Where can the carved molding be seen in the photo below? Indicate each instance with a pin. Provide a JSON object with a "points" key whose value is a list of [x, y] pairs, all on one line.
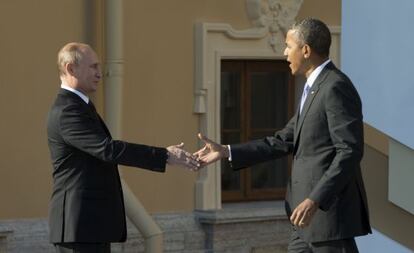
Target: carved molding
{"points": [[202, 31], [276, 16], [216, 41]]}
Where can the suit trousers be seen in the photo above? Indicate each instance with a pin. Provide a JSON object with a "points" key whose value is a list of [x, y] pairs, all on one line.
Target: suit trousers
{"points": [[83, 247], [298, 245]]}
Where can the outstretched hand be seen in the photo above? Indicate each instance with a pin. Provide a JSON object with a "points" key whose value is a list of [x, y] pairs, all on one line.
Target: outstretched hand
{"points": [[178, 156], [211, 152]]}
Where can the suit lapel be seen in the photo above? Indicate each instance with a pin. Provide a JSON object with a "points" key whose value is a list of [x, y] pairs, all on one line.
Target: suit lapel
{"points": [[310, 98], [96, 115], [104, 125]]}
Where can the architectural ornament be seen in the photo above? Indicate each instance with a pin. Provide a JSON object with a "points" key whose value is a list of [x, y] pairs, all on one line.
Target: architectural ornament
{"points": [[274, 15]]}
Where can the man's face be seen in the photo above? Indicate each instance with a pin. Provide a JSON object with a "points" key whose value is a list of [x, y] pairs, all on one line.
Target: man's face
{"points": [[295, 53], [88, 71]]}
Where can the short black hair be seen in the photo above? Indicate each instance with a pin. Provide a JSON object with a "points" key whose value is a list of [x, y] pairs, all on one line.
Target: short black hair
{"points": [[314, 33]]}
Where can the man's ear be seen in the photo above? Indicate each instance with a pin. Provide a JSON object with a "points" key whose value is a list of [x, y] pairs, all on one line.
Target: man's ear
{"points": [[70, 69], [306, 51]]}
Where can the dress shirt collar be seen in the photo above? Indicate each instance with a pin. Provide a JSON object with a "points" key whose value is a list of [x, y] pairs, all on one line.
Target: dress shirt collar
{"points": [[80, 94], [312, 77]]}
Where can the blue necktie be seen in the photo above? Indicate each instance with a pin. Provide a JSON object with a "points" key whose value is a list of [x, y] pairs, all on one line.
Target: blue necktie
{"points": [[304, 95]]}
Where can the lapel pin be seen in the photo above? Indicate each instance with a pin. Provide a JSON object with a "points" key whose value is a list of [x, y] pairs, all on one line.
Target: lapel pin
{"points": [[313, 92]]}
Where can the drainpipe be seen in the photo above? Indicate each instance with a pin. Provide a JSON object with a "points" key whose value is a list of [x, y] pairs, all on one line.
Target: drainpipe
{"points": [[142, 221], [135, 211]]}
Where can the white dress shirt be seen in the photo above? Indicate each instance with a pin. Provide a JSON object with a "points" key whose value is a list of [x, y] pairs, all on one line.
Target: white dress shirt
{"points": [[80, 94], [312, 77]]}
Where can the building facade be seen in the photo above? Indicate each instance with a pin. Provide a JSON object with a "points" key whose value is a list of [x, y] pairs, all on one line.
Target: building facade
{"points": [[175, 61]]}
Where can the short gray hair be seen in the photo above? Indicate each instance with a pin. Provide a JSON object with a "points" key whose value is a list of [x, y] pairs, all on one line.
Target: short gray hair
{"points": [[314, 33], [70, 53]]}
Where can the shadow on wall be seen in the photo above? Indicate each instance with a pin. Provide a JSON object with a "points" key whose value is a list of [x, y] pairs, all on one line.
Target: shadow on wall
{"points": [[379, 243]]}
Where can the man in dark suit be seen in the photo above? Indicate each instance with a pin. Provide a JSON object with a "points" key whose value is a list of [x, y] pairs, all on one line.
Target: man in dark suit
{"points": [[326, 200], [86, 210]]}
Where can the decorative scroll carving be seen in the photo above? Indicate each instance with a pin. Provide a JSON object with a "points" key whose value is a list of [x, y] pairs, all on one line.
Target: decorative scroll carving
{"points": [[274, 15]]}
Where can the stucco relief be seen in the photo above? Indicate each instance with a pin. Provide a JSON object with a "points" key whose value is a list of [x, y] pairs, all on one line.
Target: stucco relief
{"points": [[274, 15]]}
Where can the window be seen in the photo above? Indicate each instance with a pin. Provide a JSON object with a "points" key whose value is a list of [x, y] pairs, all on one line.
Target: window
{"points": [[256, 100]]}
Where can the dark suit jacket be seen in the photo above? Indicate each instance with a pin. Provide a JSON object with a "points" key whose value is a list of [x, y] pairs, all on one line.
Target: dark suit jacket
{"points": [[87, 202], [327, 143]]}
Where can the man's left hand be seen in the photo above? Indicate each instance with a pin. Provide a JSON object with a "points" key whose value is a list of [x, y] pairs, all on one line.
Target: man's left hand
{"points": [[303, 213]]}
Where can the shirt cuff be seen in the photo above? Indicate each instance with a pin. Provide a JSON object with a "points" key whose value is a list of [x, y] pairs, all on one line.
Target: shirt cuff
{"points": [[230, 159]]}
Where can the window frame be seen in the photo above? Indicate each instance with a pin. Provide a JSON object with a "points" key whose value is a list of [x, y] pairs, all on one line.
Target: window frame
{"points": [[246, 68]]}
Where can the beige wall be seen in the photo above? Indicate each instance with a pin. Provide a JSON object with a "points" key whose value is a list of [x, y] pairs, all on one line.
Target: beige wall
{"points": [[158, 91], [30, 36], [327, 10], [157, 104], [157, 95], [386, 217]]}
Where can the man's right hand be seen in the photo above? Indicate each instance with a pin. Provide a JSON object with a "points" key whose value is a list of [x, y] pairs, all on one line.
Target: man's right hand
{"points": [[178, 156], [211, 152]]}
